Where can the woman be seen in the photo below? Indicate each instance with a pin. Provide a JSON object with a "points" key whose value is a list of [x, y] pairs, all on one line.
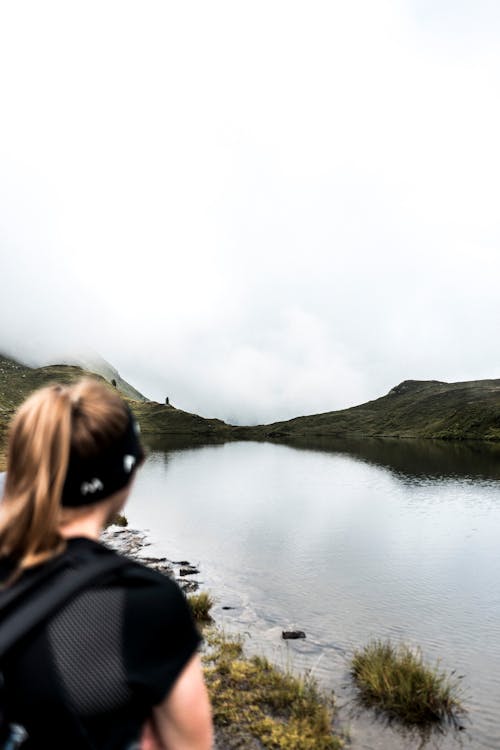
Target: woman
{"points": [[117, 664]]}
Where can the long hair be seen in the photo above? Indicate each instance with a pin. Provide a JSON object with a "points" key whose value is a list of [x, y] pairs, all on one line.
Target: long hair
{"points": [[85, 418]]}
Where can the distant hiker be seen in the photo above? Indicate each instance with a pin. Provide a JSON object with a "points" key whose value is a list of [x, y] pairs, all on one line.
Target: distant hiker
{"points": [[113, 382], [96, 651], [167, 401]]}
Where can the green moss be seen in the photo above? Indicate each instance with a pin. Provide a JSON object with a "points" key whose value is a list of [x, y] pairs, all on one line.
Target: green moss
{"points": [[120, 520], [253, 700], [396, 680]]}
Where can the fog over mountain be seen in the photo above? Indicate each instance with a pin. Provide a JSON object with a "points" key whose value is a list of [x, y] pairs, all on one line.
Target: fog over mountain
{"points": [[260, 210]]}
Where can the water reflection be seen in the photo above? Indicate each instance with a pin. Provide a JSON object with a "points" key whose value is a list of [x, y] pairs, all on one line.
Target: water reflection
{"points": [[430, 737], [435, 459], [347, 540], [416, 458]]}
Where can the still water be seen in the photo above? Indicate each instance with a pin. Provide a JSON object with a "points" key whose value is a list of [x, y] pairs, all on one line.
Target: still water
{"points": [[346, 541]]}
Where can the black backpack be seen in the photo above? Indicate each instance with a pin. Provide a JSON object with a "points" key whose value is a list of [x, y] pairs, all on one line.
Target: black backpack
{"points": [[33, 599]]}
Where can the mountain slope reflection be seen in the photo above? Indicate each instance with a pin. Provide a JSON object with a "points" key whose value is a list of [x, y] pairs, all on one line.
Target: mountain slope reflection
{"points": [[415, 458]]}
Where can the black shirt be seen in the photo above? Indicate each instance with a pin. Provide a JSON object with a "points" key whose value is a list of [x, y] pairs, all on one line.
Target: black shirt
{"points": [[90, 675]]}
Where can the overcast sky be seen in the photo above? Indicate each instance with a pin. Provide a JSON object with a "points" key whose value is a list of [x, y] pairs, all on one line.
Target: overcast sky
{"points": [[260, 209]]}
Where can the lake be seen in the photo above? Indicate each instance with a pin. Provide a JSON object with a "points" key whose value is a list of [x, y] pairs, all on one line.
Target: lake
{"points": [[346, 540]]}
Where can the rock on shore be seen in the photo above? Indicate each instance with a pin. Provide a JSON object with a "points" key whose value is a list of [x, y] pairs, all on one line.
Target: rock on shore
{"points": [[133, 543]]}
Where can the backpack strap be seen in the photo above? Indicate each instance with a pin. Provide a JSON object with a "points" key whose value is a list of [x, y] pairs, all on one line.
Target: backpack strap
{"points": [[34, 600]]}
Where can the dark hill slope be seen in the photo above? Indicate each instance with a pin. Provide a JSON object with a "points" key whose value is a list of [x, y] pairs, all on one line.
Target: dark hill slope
{"points": [[158, 419], [17, 381], [94, 363], [413, 409]]}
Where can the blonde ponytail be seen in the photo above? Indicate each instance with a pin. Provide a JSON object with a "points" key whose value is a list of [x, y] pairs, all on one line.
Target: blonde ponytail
{"points": [[51, 422]]}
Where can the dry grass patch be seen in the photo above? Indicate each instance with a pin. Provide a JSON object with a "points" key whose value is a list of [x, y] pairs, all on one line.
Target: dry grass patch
{"points": [[253, 701]]}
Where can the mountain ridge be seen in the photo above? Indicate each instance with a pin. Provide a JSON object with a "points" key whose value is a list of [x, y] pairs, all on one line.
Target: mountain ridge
{"points": [[468, 410], [17, 381]]}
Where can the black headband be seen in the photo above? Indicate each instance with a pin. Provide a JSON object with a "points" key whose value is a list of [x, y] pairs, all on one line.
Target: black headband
{"points": [[89, 480]]}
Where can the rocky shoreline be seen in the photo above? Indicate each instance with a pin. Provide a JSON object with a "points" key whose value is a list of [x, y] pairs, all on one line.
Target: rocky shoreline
{"points": [[134, 543], [236, 733]]}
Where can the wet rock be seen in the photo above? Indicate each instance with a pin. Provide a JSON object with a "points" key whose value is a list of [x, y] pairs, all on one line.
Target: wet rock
{"points": [[160, 567], [188, 571], [188, 586], [131, 543], [291, 635]]}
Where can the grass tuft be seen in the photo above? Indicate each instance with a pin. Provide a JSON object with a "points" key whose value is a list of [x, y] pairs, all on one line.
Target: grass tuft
{"points": [[118, 520], [253, 701], [201, 604], [396, 680]]}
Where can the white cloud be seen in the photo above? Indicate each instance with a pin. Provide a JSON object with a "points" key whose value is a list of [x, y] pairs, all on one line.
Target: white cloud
{"points": [[261, 210]]}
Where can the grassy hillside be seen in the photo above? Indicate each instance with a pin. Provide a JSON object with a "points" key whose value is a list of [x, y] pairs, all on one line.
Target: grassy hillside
{"points": [[94, 363], [423, 409], [413, 409], [17, 381]]}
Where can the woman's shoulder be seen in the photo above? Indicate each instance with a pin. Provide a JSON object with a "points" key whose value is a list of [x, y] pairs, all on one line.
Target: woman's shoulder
{"points": [[153, 609], [159, 634], [134, 574], [151, 595]]}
